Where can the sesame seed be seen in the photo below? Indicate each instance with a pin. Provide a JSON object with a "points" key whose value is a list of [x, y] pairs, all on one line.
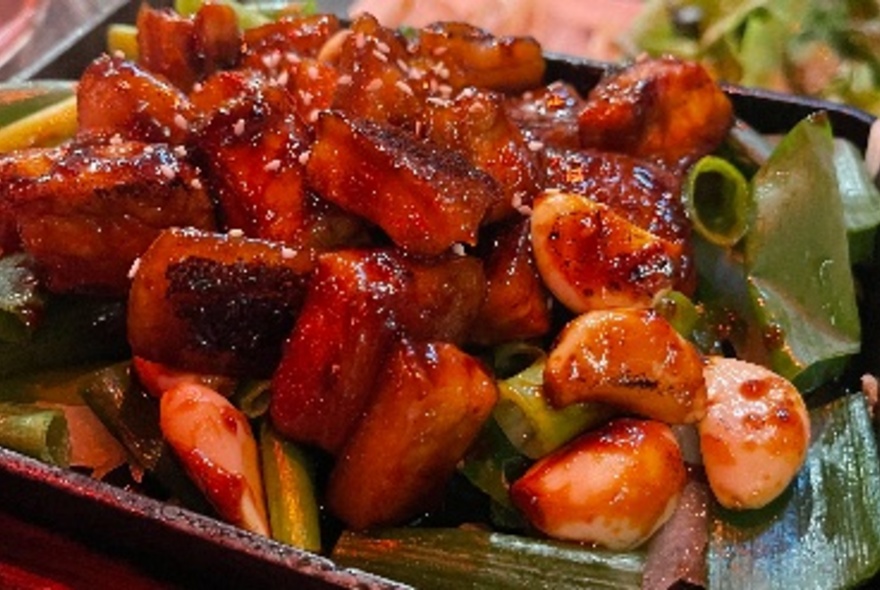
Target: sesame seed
{"points": [[291, 57], [437, 101], [402, 65], [313, 115], [287, 253], [404, 87], [445, 90], [536, 146], [374, 85], [181, 122], [149, 150], [134, 268], [415, 74], [238, 128], [312, 72], [235, 233], [282, 78], [458, 249], [116, 139], [271, 60], [306, 97], [468, 92], [272, 165], [438, 51], [196, 184], [180, 151], [118, 54], [360, 41], [304, 157], [167, 171], [198, 87], [344, 80], [383, 47], [476, 108], [380, 56]]}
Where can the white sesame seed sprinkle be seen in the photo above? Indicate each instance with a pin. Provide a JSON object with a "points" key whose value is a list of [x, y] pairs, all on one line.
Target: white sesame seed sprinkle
{"points": [[272, 165], [116, 139], [535, 146], [380, 56], [383, 47], [180, 151], [167, 171], [180, 122], [119, 54], [374, 85], [135, 266], [238, 127], [235, 233], [304, 157], [360, 41], [306, 97], [344, 80], [287, 253], [312, 72], [291, 57], [438, 51], [458, 249], [404, 87], [313, 115], [282, 78], [198, 87], [196, 184]]}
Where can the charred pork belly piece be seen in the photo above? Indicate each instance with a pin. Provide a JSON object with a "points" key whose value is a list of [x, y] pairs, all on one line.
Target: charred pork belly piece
{"points": [[288, 39], [252, 150], [426, 198], [184, 50], [430, 406], [215, 303], [117, 97], [376, 80], [476, 124], [464, 55], [516, 306], [644, 194], [548, 115], [85, 212], [357, 303], [663, 109]]}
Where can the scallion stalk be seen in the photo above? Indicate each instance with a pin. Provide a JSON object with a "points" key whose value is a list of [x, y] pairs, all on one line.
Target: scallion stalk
{"points": [[719, 201], [35, 431]]}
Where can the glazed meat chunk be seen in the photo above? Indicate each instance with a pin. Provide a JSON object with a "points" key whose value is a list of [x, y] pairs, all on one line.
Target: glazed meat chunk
{"points": [[86, 212]]}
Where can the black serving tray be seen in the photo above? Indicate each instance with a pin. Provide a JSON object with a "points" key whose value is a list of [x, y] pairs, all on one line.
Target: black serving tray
{"points": [[204, 552]]}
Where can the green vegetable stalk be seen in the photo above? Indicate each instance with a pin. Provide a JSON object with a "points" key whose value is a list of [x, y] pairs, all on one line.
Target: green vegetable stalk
{"points": [[288, 477], [718, 200], [35, 431]]}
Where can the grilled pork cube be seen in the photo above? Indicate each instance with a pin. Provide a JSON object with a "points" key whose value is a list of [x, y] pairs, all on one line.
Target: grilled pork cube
{"points": [[378, 82], [331, 359], [663, 109], [464, 55], [358, 301], [425, 198], [590, 257], [215, 303], [440, 298], [117, 97], [85, 212], [184, 50], [476, 124], [517, 303], [644, 194], [548, 115], [288, 39], [431, 404], [251, 150]]}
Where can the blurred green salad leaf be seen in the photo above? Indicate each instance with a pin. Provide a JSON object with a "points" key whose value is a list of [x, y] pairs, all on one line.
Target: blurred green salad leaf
{"points": [[824, 48]]}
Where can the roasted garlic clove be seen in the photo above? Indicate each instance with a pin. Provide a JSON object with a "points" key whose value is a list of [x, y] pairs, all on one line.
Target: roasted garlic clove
{"points": [[629, 358], [755, 434], [613, 486], [590, 257]]}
